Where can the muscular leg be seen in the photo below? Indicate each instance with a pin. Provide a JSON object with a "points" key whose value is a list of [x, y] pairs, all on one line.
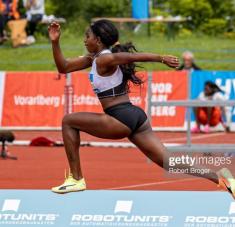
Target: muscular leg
{"points": [[153, 148], [99, 125]]}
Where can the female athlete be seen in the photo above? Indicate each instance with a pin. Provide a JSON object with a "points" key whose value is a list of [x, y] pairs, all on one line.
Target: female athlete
{"points": [[112, 68]]}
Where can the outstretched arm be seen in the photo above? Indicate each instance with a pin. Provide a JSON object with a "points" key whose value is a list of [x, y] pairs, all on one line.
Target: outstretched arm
{"points": [[126, 58], [65, 65]]}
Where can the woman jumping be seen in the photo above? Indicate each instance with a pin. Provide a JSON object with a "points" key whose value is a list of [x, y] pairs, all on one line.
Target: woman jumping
{"points": [[112, 68]]}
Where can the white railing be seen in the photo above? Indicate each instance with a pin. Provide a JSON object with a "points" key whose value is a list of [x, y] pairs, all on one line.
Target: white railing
{"points": [[189, 104]]}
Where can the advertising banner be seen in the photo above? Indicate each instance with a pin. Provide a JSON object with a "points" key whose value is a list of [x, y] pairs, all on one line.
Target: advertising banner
{"points": [[116, 208], [32, 99], [36, 99], [168, 85]]}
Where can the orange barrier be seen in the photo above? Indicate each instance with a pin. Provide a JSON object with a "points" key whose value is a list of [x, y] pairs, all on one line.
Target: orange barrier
{"points": [[36, 99], [32, 99], [169, 85]]}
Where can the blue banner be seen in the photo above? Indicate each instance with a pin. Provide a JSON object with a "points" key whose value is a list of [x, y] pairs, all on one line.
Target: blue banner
{"points": [[140, 9], [116, 208], [225, 80]]}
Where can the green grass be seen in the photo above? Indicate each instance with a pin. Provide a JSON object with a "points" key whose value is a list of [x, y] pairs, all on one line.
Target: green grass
{"points": [[211, 53]]}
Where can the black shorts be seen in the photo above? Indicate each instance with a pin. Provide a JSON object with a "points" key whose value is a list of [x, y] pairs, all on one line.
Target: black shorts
{"points": [[131, 116]]}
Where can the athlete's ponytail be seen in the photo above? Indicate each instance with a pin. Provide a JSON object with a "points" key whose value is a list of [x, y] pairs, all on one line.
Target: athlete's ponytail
{"points": [[128, 70], [109, 36]]}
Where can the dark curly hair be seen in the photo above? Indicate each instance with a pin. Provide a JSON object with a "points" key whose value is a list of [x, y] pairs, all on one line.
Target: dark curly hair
{"points": [[109, 36], [213, 86]]}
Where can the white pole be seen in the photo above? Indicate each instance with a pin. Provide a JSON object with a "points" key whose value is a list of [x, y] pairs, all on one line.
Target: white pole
{"points": [[68, 94]]}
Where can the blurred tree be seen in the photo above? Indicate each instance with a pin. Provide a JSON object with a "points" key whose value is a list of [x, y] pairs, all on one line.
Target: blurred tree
{"points": [[221, 9], [92, 8], [99, 8], [199, 10], [50, 7], [214, 26], [162, 5]]}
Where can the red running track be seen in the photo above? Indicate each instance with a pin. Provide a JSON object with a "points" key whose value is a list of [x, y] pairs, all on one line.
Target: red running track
{"points": [[103, 168]]}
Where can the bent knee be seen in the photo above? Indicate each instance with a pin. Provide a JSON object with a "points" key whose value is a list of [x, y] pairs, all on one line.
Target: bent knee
{"points": [[67, 120], [73, 120]]}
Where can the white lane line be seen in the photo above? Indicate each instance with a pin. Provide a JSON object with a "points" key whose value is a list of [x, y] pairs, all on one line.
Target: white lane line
{"points": [[95, 144], [124, 144], [153, 183]]}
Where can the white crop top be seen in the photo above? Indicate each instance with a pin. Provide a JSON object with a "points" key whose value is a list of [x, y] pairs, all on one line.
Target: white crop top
{"points": [[107, 86]]}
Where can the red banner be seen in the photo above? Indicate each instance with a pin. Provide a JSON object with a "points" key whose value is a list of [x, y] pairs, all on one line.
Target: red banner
{"points": [[168, 85], [36, 99], [32, 99]]}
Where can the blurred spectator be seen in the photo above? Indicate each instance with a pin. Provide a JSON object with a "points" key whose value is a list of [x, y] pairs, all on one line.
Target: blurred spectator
{"points": [[188, 62], [8, 11], [35, 11], [211, 116]]}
